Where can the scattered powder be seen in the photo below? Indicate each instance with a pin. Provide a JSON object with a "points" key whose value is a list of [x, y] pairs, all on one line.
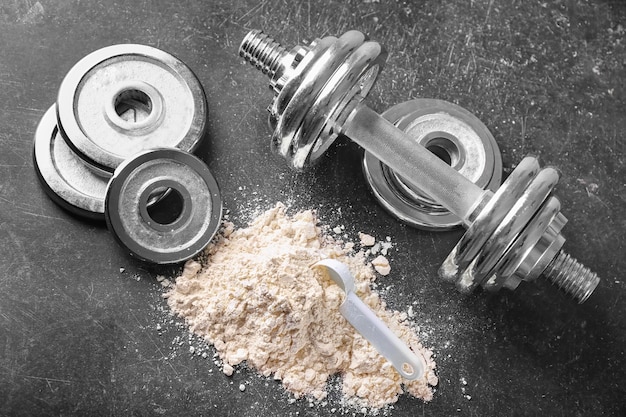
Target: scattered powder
{"points": [[381, 265], [367, 240], [255, 297], [228, 369], [163, 281], [464, 384]]}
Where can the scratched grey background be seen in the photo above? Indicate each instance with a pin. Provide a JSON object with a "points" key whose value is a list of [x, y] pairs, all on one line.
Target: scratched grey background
{"points": [[83, 328]]}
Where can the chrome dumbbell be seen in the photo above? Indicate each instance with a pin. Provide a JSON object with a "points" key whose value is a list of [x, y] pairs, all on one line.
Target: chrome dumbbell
{"points": [[513, 234]]}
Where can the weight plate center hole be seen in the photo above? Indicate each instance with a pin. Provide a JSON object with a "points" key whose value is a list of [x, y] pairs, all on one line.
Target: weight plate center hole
{"points": [[168, 205], [133, 105], [441, 153], [134, 108], [446, 149]]}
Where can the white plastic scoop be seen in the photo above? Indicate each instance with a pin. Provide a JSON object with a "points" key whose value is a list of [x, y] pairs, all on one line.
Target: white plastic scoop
{"points": [[407, 363]]}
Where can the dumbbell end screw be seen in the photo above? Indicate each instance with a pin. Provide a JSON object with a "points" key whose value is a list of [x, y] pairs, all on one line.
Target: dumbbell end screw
{"points": [[571, 276], [262, 51]]}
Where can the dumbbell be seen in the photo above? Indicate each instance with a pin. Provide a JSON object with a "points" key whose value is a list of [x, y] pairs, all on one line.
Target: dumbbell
{"points": [[513, 234]]}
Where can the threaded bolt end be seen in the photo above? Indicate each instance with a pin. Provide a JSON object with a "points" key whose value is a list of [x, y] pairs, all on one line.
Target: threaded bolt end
{"points": [[262, 51], [571, 276]]}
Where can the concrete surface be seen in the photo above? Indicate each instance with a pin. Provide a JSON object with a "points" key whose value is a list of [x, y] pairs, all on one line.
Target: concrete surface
{"points": [[83, 328]]}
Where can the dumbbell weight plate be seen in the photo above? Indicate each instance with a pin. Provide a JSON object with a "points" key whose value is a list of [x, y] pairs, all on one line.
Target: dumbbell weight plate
{"points": [[123, 99], [193, 206], [323, 83], [64, 176], [452, 133]]}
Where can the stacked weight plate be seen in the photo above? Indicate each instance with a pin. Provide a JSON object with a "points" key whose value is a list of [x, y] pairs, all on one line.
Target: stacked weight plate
{"points": [[453, 134], [117, 106]]}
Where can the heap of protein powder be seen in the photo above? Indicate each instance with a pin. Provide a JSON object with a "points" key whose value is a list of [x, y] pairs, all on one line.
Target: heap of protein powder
{"points": [[255, 297]]}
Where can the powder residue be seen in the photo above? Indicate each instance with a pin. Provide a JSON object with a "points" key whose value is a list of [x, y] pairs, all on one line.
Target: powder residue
{"points": [[256, 298], [381, 265], [366, 240]]}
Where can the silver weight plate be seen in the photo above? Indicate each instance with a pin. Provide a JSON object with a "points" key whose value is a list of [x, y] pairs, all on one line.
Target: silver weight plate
{"points": [[124, 99], [64, 176], [456, 136], [179, 225]]}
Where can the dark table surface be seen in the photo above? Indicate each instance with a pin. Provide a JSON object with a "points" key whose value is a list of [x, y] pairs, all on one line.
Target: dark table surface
{"points": [[83, 327]]}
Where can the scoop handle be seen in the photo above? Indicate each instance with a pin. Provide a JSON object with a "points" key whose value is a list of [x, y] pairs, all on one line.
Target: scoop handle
{"points": [[372, 328]]}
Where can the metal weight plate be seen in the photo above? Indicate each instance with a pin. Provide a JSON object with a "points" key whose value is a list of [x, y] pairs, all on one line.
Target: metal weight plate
{"points": [[64, 176], [179, 225], [317, 93], [123, 99], [452, 133]]}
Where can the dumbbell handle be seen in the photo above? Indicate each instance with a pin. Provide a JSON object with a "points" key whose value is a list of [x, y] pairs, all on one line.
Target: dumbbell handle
{"points": [[412, 161]]}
